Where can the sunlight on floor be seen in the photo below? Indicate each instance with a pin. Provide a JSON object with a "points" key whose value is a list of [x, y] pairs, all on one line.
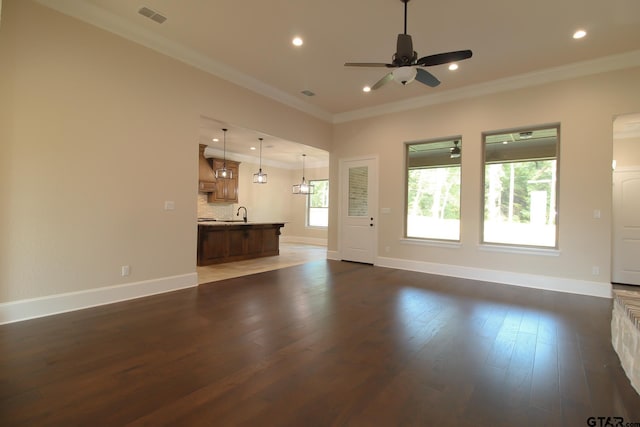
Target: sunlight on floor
{"points": [[290, 254]]}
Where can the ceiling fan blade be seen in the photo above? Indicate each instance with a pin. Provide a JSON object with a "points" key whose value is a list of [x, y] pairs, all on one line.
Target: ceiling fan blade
{"points": [[444, 58], [387, 78], [367, 64], [423, 76]]}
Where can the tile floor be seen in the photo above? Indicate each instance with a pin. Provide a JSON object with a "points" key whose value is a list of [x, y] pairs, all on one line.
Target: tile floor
{"points": [[290, 254]]}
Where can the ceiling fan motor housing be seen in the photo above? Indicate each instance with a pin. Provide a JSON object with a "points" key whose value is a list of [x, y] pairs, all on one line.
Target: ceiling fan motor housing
{"points": [[405, 55], [407, 67]]}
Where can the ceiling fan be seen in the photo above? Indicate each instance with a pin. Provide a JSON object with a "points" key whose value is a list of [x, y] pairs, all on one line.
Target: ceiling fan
{"points": [[406, 63]]}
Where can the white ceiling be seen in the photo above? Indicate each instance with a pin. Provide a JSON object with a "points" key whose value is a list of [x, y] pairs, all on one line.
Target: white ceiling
{"points": [[240, 141], [249, 42]]}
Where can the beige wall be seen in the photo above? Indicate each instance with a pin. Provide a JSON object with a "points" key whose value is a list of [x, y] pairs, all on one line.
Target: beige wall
{"points": [[270, 202], [97, 132], [584, 107], [264, 202], [297, 227]]}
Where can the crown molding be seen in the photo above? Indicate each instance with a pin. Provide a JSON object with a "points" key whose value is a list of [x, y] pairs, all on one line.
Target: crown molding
{"points": [[294, 165], [565, 72], [108, 21], [105, 20]]}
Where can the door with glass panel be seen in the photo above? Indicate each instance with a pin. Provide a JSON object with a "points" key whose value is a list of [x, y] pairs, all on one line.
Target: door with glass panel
{"points": [[358, 207]]}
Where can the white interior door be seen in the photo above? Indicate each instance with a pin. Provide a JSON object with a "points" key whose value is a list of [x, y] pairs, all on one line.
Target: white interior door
{"points": [[358, 207], [626, 227]]}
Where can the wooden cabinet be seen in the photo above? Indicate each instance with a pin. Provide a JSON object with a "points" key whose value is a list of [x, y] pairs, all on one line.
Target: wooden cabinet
{"points": [[210, 249], [235, 242], [226, 190], [206, 178]]}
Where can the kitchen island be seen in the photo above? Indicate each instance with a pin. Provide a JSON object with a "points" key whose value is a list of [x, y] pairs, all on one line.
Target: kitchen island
{"points": [[226, 241]]}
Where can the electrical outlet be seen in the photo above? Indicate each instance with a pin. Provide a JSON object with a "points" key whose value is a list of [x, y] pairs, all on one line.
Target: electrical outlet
{"points": [[169, 205], [595, 270], [125, 270]]}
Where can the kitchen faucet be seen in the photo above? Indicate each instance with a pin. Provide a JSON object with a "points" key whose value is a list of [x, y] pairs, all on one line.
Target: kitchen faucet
{"points": [[244, 217]]}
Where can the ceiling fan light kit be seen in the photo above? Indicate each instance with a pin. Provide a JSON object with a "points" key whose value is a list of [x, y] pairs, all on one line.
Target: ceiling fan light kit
{"points": [[456, 151], [408, 66], [404, 75]]}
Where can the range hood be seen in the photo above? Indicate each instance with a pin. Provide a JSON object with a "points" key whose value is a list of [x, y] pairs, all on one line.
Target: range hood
{"points": [[206, 177]]}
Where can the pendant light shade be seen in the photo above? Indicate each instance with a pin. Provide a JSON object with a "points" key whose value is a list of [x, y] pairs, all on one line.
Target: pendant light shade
{"points": [[304, 187], [224, 173], [260, 178]]}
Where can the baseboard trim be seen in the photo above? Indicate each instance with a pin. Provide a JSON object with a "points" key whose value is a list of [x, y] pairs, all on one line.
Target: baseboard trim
{"points": [[559, 284], [17, 311], [318, 241]]}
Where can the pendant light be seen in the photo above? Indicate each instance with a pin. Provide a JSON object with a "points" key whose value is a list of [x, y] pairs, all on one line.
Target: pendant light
{"points": [[224, 173], [260, 178], [303, 187]]}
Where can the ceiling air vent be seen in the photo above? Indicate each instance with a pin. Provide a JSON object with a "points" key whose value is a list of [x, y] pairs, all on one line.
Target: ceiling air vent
{"points": [[152, 14], [307, 93]]}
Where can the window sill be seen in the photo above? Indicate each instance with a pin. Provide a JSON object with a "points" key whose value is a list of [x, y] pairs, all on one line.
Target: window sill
{"points": [[519, 250], [430, 242]]}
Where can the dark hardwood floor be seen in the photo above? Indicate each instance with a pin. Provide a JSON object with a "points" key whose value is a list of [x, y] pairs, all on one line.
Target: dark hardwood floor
{"points": [[324, 343]]}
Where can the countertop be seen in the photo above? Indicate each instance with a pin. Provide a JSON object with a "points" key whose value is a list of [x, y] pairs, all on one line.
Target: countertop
{"points": [[223, 223]]}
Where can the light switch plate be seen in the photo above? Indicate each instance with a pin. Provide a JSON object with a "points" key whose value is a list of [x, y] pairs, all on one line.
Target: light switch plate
{"points": [[169, 205]]}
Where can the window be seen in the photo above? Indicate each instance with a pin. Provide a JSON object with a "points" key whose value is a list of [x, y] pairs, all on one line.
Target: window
{"points": [[318, 205], [521, 187], [433, 189]]}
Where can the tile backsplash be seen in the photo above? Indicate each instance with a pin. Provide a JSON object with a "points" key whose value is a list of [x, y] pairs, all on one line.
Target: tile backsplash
{"points": [[213, 210]]}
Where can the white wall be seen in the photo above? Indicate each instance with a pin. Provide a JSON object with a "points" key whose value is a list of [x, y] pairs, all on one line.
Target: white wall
{"points": [[97, 132], [584, 107]]}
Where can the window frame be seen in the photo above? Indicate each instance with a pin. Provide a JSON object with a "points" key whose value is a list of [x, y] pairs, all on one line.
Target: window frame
{"points": [[309, 207], [434, 240], [483, 166]]}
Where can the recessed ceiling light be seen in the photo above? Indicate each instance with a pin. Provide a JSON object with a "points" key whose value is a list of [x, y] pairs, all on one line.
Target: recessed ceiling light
{"points": [[453, 66], [366, 89], [297, 41], [579, 34], [215, 140], [252, 148]]}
